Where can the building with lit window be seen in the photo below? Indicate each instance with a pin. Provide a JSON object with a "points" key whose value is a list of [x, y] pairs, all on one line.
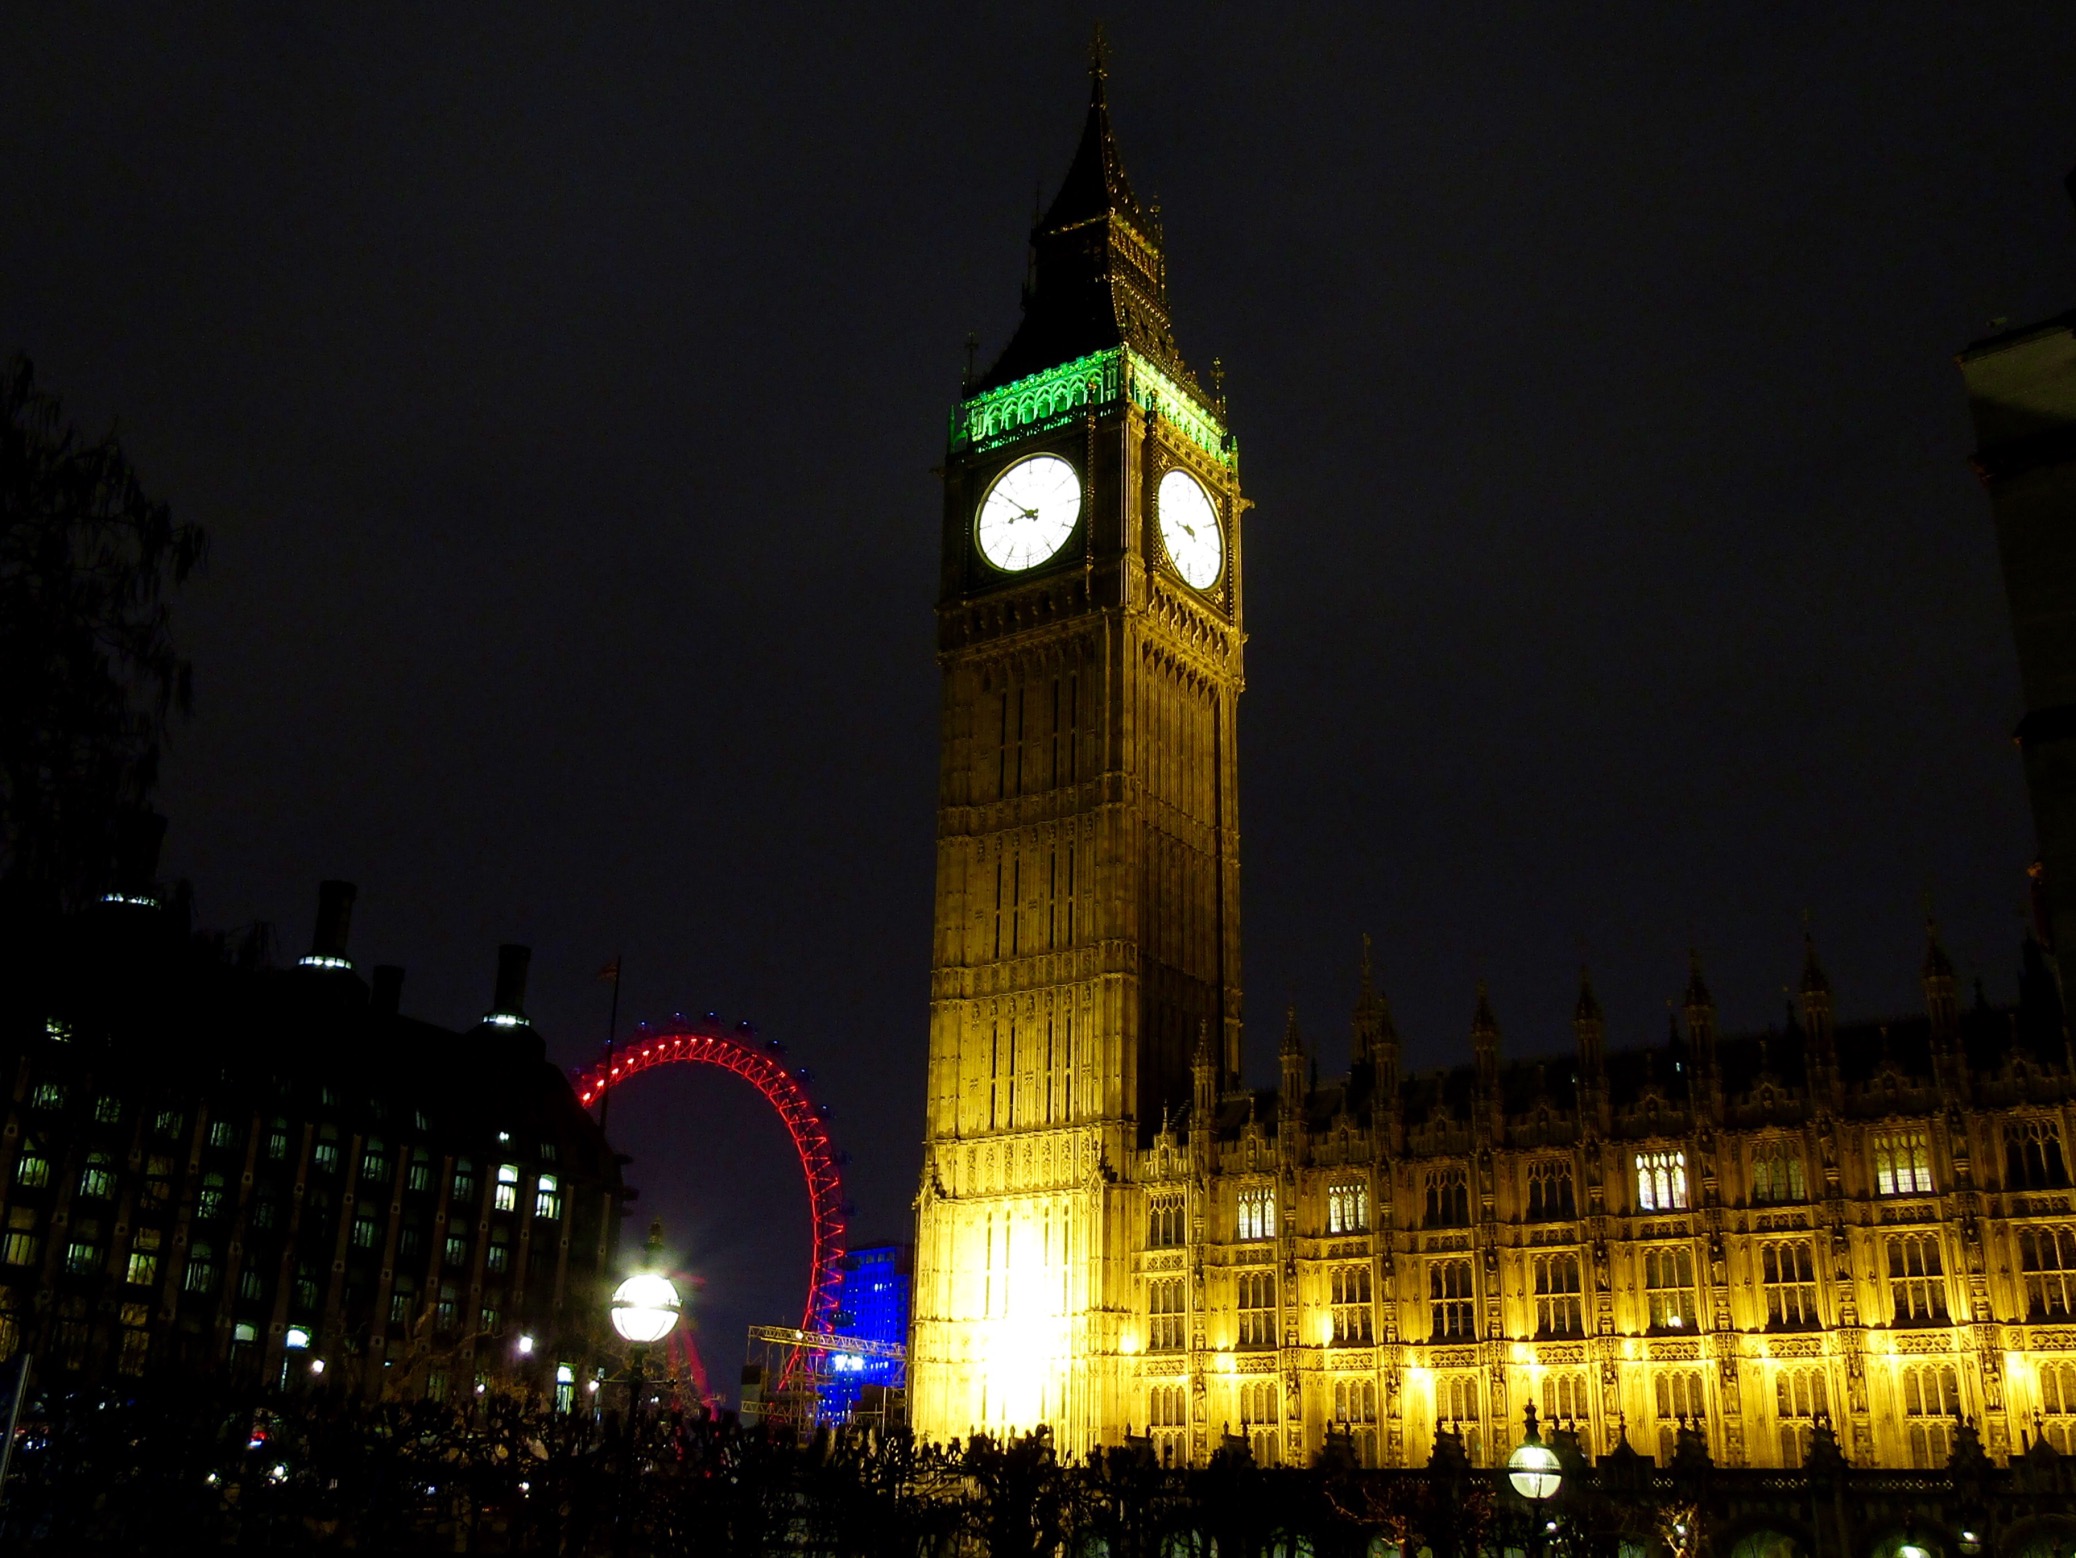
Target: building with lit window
{"points": [[1867, 1226], [877, 1279], [217, 1167]]}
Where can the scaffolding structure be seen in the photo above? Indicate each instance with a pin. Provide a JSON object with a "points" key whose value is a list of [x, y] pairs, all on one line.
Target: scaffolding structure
{"points": [[786, 1372]]}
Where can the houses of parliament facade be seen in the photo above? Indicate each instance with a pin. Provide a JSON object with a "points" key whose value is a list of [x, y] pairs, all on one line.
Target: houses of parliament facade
{"points": [[1834, 1237]]}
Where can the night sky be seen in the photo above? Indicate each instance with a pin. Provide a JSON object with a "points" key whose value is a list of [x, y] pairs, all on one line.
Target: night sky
{"points": [[562, 393]]}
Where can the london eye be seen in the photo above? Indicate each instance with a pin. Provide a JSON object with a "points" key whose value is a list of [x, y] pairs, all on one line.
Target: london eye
{"points": [[761, 1063]]}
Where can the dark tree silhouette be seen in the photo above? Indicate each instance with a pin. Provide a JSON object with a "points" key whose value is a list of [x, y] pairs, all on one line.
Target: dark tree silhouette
{"points": [[89, 676]]}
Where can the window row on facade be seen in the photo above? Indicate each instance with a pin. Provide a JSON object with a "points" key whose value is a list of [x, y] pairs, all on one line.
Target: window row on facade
{"points": [[1898, 1162], [1656, 1291]]}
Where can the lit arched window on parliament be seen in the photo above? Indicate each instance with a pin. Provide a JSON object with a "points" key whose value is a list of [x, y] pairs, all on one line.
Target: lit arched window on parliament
{"points": [[1917, 1281], [1257, 1212], [1257, 1295], [1661, 1181], [1349, 1287], [1348, 1208], [1164, 1223], [2047, 1261], [2058, 1405], [1902, 1164], [1669, 1287], [1164, 1314]]}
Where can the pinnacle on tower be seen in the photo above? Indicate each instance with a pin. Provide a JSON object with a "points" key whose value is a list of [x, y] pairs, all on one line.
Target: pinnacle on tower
{"points": [[1095, 184], [1825, 1081], [1483, 1024], [1291, 1054], [1697, 998], [1813, 980], [1372, 1028], [1589, 1026], [1942, 1002], [1937, 964], [1588, 1009], [1485, 1040], [1701, 1019]]}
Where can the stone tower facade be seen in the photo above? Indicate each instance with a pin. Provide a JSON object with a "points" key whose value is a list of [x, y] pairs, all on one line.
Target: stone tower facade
{"points": [[1087, 936]]}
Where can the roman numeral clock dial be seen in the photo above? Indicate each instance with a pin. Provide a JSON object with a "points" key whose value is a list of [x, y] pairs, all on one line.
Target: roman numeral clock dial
{"points": [[1028, 513]]}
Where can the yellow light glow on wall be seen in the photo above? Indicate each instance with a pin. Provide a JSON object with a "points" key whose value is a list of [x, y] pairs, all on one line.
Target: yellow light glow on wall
{"points": [[1023, 1352]]}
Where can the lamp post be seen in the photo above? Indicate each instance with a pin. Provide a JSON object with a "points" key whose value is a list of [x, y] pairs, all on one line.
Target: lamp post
{"points": [[644, 1311], [1534, 1471]]}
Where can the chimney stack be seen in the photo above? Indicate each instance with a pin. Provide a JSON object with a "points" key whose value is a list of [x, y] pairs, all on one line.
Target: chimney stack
{"points": [[388, 995], [508, 1006], [334, 917]]}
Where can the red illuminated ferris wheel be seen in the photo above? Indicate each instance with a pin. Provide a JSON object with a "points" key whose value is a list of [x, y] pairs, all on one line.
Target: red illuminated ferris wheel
{"points": [[761, 1063]]}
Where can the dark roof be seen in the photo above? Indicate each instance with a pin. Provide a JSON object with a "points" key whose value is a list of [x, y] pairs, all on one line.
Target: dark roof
{"points": [[1098, 279], [172, 1016]]}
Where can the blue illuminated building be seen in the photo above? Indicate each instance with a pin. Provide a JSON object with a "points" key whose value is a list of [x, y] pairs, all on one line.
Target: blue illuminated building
{"points": [[874, 1306]]}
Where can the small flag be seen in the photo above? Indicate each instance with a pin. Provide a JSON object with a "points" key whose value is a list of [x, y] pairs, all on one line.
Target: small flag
{"points": [[611, 972]]}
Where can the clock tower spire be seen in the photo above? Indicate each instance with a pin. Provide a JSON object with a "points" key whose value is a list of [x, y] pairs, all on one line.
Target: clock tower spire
{"points": [[1099, 278], [1087, 922]]}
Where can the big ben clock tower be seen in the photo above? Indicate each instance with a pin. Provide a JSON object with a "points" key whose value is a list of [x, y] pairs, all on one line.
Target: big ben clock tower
{"points": [[1087, 944]]}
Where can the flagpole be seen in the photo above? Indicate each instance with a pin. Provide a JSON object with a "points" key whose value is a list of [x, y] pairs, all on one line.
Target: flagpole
{"points": [[605, 1095]]}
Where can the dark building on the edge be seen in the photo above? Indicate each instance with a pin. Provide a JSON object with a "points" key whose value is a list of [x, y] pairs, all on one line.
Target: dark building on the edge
{"points": [[271, 1175]]}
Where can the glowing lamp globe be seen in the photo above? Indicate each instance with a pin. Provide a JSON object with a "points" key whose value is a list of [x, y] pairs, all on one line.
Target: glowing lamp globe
{"points": [[1533, 1470], [645, 1307]]}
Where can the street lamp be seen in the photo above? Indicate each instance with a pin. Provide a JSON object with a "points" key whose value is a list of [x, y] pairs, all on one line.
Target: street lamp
{"points": [[1533, 1468], [645, 1310], [646, 1307]]}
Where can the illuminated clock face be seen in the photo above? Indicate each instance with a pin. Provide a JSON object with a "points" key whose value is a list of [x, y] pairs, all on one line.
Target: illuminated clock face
{"points": [[1189, 530], [1028, 513]]}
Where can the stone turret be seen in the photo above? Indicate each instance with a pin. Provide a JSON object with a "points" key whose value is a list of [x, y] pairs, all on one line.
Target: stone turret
{"points": [[1485, 1054], [1701, 1014], [1589, 1025], [1813, 1004], [1700, 1010], [1943, 1012], [1290, 1059], [1374, 1046], [1203, 1118]]}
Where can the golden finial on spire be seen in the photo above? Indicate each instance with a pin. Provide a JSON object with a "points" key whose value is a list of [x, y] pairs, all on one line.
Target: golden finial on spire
{"points": [[1098, 55]]}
